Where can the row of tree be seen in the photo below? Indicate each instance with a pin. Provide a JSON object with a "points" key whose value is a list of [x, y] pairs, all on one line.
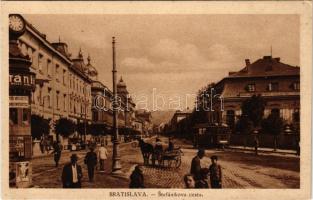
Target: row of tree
{"points": [[63, 127]]}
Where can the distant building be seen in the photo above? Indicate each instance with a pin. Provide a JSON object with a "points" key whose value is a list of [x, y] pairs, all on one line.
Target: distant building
{"points": [[278, 83], [146, 118], [127, 106], [176, 121]]}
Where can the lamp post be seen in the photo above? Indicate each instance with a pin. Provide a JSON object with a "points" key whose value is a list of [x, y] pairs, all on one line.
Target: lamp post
{"points": [[116, 165]]}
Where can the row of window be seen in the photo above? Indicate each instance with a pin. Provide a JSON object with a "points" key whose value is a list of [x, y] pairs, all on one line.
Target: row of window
{"points": [[45, 66], [274, 86]]}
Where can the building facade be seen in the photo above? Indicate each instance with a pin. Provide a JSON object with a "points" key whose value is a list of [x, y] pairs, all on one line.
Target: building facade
{"points": [[278, 83], [63, 89]]}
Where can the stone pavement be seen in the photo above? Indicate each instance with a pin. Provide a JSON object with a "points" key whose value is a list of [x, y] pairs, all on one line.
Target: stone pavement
{"points": [[240, 170]]}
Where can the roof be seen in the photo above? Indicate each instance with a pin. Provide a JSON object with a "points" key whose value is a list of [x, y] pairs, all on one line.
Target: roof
{"points": [[266, 66]]}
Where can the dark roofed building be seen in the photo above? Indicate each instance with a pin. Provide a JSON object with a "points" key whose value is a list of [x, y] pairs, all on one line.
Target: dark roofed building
{"points": [[278, 83]]}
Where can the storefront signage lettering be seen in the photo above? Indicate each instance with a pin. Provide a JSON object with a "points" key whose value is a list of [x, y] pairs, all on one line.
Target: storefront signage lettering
{"points": [[22, 79]]}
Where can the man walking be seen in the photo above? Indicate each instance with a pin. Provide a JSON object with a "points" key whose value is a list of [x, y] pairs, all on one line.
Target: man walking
{"points": [[91, 162], [215, 173], [196, 166], [72, 174], [103, 155], [57, 153]]}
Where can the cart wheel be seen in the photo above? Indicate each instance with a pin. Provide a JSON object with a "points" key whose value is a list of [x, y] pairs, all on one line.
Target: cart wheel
{"points": [[178, 162]]}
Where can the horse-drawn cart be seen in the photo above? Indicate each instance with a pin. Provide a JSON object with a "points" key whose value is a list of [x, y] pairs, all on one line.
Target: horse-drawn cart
{"points": [[168, 158]]}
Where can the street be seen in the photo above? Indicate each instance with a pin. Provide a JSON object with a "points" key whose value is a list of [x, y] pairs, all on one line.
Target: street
{"points": [[240, 170]]}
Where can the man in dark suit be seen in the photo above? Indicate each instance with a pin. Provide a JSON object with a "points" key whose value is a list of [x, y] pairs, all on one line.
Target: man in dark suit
{"points": [[196, 166], [72, 174], [91, 162]]}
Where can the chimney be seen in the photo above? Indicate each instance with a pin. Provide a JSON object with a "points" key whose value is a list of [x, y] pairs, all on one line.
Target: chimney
{"points": [[277, 59], [247, 62]]}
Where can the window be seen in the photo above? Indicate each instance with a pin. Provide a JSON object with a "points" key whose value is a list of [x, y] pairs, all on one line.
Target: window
{"points": [[272, 86], [275, 111], [57, 68], [296, 115], [57, 99], [296, 85], [40, 96], [40, 61], [230, 118], [70, 78], [64, 77], [30, 53], [26, 117], [13, 116], [95, 115], [250, 87], [64, 102], [49, 67], [48, 97]]}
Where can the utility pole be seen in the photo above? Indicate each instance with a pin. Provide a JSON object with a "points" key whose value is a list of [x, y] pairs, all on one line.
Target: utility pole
{"points": [[116, 165]]}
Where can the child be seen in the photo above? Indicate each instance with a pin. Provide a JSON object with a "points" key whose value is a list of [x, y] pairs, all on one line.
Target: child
{"points": [[189, 181], [215, 173]]}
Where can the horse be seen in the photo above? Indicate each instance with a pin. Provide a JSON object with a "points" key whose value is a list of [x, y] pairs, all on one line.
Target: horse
{"points": [[146, 150]]}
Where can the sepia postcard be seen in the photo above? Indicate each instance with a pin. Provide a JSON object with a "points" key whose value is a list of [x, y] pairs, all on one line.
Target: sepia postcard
{"points": [[156, 100]]}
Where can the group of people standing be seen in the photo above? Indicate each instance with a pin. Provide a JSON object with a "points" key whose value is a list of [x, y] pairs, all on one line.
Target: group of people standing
{"points": [[72, 172], [198, 177]]}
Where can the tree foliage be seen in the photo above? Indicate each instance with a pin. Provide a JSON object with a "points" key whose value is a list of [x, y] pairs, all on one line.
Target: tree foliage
{"points": [[39, 126], [253, 108], [98, 129], [244, 125], [273, 124], [64, 127]]}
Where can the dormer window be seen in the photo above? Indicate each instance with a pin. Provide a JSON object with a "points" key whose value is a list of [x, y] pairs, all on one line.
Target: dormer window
{"points": [[272, 86], [296, 85], [250, 87]]}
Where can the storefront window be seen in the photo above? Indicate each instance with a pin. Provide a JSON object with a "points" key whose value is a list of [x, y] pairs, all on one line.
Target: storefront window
{"points": [[13, 116], [26, 116]]}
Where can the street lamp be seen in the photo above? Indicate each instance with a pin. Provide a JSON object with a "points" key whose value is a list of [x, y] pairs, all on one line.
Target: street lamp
{"points": [[116, 165]]}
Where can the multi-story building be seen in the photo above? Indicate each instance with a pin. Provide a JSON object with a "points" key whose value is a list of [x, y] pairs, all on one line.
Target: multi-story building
{"points": [[276, 82], [62, 87], [127, 106]]}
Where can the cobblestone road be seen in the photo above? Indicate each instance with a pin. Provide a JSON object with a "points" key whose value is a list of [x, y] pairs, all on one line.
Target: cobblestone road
{"points": [[240, 170]]}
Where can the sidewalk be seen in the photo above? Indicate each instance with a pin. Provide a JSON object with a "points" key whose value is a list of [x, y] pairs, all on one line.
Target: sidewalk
{"points": [[263, 150]]}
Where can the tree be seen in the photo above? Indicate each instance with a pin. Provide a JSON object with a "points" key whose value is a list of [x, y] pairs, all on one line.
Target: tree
{"points": [[39, 126], [244, 125], [273, 124], [253, 108], [98, 129], [64, 127]]}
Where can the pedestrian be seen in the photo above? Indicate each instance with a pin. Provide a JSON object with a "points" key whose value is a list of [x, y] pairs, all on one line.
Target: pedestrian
{"points": [[195, 169], [72, 174], [215, 171], [102, 155], [256, 145], [189, 181], [57, 153], [203, 181], [170, 145], [136, 178], [91, 162]]}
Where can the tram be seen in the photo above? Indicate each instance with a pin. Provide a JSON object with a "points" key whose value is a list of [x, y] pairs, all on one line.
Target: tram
{"points": [[211, 135]]}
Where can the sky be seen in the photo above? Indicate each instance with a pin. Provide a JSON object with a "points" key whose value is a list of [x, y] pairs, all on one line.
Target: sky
{"points": [[166, 59]]}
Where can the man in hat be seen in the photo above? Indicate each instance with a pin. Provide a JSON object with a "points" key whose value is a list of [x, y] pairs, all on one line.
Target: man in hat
{"points": [[91, 162], [72, 174], [215, 171], [196, 166], [136, 178]]}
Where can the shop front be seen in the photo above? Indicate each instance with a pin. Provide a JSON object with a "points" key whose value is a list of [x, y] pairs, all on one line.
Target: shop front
{"points": [[21, 85]]}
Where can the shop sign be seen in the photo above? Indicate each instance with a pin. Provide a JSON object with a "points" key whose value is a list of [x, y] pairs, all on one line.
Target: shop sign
{"points": [[22, 79], [19, 101]]}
